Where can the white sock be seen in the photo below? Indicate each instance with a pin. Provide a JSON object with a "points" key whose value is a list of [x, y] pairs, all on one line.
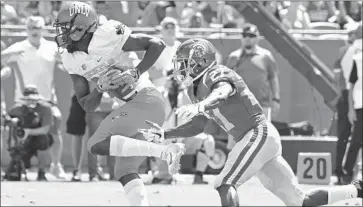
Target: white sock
{"points": [[339, 193], [136, 193], [121, 146]]}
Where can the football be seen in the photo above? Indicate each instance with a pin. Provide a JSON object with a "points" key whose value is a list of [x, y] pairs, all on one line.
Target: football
{"points": [[125, 89], [121, 91]]}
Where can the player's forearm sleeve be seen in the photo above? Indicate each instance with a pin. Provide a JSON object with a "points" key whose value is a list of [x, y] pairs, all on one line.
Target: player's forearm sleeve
{"points": [[189, 129]]}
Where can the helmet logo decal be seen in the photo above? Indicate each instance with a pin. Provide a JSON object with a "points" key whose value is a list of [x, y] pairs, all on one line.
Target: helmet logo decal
{"points": [[120, 29], [199, 50], [76, 9]]}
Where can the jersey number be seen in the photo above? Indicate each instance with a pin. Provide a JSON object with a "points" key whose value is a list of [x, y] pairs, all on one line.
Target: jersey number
{"points": [[223, 120]]}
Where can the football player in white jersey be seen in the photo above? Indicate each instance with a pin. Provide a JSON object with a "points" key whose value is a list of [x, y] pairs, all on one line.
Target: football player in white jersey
{"points": [[91, 52]]}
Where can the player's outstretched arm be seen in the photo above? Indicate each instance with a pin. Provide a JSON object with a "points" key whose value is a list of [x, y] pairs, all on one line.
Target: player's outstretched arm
{"points": [[192, 128], [220, 93], [141, 42], [88, 101]]}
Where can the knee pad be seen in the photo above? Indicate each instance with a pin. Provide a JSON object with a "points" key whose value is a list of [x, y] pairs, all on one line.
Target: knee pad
{"points": [[208, 146]]}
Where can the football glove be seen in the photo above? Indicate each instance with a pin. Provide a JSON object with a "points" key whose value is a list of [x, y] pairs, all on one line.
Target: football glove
{"points": [[114, 78], [189, 111], [127, 77], [154, 134], [104, 82]]}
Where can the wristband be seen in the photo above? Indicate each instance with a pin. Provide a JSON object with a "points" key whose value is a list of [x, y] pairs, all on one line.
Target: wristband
{"points": [[201, 108]]}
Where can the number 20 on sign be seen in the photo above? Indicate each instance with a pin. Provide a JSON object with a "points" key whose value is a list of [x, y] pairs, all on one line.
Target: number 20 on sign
{"points": [[314, 168]]}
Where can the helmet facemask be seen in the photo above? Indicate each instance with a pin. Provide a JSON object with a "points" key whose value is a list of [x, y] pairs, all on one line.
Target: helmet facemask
{"points": [[186, 69], [65, 31]]}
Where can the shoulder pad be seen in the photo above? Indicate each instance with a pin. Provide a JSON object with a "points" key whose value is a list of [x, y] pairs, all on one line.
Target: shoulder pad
{"points": [[112, 34]]}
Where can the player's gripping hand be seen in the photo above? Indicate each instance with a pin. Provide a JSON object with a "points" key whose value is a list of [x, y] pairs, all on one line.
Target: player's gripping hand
{"points": [[189, 111], [114, 78], [104, 82], [127, 77], [154, 134]]}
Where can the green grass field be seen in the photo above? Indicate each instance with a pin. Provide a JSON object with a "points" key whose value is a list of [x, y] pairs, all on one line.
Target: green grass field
{"points": [[110, 193]]}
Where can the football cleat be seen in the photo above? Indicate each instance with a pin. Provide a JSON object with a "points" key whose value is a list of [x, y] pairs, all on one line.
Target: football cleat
{"points": [[172, 155]]}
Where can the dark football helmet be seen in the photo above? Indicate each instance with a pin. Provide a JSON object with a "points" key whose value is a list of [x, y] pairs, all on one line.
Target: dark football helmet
{"points": [[193, 58], [75, 20]]}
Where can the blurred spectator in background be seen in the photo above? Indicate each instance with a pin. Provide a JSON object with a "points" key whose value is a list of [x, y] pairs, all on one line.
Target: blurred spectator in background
{"points": [[155, 12], [45, 10], [313, 11], [158, 72], [220, 34], [128, 12], [33, 61], [76, 127], [341, 16], [102, 9], [5, 73], [225, 13], [327, 14], [352, 60], [196, 21], [279, 10], [207, 9], [343, 123], [353, 9], [35, 118], [319, 11], [355, 114], [258, 68], [8, 14], [190, 11]]}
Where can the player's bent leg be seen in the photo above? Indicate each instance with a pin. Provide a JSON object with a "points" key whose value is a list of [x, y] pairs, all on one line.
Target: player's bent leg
{"points": [[123, 123], [113, 136], [247, 157], [126, 171], [278, 177]]}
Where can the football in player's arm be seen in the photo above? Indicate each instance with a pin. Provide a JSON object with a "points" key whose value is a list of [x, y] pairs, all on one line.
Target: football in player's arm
{"points": [[90, 100]]}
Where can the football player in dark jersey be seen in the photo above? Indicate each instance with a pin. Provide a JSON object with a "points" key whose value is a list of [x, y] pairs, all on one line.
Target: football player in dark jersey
{"points": [[219, 93]]}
